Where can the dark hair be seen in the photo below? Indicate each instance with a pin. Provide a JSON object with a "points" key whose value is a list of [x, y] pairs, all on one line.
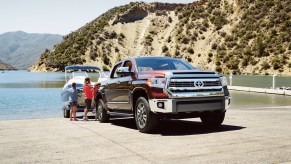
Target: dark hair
{"points": [[87, 80], [74, 85]]}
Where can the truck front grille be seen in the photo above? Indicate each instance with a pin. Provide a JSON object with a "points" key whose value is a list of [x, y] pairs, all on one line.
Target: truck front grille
{"points": [[198, 90], [191, 83], [195, 86]]}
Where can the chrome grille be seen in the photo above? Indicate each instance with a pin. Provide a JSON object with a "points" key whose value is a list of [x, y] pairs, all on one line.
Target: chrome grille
{"points": [[191, 83], [188, 85]]}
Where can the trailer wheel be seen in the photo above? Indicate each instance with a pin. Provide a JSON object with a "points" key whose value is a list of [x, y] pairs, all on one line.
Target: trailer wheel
{"points": [[66, 112]]}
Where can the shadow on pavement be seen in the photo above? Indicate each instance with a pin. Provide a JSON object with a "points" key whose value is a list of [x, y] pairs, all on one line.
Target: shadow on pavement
{"points": [[177, 127]]}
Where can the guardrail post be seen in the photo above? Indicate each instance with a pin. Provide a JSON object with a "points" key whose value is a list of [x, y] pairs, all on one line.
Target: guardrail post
{"points": [[230, 79], [274, 81]]}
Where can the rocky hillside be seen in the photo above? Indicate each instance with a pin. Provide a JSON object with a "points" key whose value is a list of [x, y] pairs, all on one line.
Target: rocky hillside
{"points": [[4, 66], [238, 36], [21, 49]]}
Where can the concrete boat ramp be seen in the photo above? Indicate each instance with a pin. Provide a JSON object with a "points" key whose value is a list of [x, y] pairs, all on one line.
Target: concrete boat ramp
{"points": [[246, 136], [260, 90]]}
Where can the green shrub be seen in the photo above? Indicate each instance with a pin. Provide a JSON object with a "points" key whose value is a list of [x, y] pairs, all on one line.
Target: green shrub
{"points": [[276, 65], [245, 61], [176, 53], [105, 68], [205, 23], [217, 63], [168, 54], [218, 69], [148, 40], [260, 47], [185, 39], [190, 50], [223, 34], [93, 55], [165, 48], [106, 60], [169, 39], [189, 59], [214, 46], [122, 35], [170, 20], [265, 65]]}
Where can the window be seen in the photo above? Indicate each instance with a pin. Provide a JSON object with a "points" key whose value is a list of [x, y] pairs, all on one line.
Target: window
{"points": [[114, 74], [161, 63], [129, 65]]}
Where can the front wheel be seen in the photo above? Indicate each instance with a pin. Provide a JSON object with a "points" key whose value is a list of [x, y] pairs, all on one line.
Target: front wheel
{"points": [[101, 113], [212, 119], [146, 121], [66, 112]]}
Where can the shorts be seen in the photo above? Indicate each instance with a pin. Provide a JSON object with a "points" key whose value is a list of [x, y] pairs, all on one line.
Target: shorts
{"points": [[88, 103], [73, 104]]}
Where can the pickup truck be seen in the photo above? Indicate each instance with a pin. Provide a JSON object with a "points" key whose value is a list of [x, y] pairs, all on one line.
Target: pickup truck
{"points": [[157, 88]]}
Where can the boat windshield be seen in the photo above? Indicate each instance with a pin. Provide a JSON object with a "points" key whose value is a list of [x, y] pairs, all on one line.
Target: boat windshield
{"points": [[94, 76], [161, 63]]}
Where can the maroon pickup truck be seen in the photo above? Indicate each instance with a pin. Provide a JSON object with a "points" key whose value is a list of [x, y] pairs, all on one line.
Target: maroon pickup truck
{"points": [[156, 88]]}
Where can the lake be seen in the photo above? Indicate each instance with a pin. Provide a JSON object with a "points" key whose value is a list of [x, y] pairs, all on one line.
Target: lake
{"points": [[29, 95]]}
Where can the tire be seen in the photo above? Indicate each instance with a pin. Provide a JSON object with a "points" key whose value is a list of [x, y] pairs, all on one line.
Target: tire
{"points": [[146, 121], [101, 113], [212, 119], [66, 112]]}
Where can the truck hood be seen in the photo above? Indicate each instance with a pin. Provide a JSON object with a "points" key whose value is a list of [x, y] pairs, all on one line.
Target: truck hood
{"points": [[171, 73]]}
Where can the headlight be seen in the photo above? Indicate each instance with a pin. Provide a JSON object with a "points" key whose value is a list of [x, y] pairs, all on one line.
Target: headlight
{"points": [[157, 82], [223, 81]]}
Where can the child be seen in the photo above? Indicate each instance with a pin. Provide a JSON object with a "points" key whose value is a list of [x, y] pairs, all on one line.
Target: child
{"points": [[95, 90], [73, 99]]}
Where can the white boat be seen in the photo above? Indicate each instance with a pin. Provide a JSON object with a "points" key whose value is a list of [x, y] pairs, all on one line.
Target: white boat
{"points": [[77, 74]]}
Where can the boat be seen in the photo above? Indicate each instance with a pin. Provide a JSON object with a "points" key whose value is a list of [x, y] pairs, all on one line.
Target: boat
{"points": [[78, 74]]}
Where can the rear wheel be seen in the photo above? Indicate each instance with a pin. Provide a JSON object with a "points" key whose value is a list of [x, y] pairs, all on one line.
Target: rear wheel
{"points": [[146, 121], [101, 113], [66, 112], [212, 119]]}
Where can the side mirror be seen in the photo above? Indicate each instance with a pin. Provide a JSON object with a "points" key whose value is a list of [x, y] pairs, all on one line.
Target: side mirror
{"points": [[124, 71]]}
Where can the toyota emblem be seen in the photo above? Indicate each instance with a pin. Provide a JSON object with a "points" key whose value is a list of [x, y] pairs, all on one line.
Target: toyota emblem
{"points": [[198, 84]]}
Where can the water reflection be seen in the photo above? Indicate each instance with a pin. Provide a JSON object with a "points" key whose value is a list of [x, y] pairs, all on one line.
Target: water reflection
{"points": [[260, 81], [240, 99]]}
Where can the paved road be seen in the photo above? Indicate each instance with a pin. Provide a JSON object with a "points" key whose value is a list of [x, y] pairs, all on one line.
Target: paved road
{"points": [[247, 136]]}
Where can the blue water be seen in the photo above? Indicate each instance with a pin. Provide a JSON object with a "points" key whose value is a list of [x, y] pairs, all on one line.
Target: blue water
{"points": [[26, 95]]}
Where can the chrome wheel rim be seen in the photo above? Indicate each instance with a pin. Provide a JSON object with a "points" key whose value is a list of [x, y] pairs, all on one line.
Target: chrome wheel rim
{"points": [[99, 111], [141, 115]]}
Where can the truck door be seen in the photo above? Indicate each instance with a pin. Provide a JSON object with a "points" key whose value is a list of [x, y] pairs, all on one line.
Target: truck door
{"points": [[110, 91], [123, 89]]}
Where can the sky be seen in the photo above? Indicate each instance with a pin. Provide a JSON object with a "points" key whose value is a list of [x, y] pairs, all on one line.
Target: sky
{"points": [[56, 16]]}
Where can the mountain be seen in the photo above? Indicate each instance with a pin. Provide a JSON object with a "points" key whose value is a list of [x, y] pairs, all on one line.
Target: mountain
{"points": [[21, 49], [228, 36], [4, 66]]}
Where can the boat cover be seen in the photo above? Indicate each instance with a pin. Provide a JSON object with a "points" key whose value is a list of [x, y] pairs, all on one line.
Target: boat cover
{"points": [[82, 68]]}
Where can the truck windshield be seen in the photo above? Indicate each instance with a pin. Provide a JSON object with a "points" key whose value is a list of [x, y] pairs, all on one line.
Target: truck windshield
{"points": [[156, 63]]}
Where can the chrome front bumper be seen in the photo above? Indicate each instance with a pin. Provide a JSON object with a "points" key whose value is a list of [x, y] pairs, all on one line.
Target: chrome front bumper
{"points": [[198, 104]]}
